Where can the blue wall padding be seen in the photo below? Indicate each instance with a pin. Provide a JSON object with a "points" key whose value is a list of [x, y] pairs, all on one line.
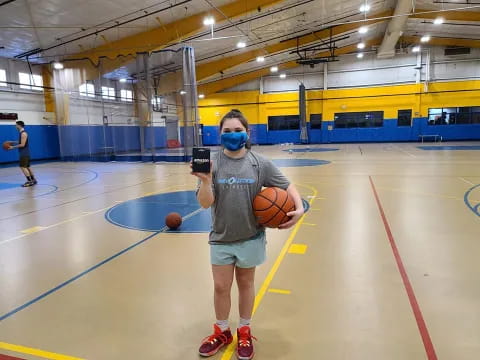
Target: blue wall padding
{"points": [[389, 132], [43, 141]]}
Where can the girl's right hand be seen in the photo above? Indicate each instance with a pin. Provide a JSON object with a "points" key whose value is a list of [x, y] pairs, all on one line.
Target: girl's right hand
{"points": [[203, 176]]}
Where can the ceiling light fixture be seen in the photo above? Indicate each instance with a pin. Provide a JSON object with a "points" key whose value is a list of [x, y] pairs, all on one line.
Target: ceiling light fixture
{"points": [[365, 8], [209, 20], [363, 30], [425, 38]]}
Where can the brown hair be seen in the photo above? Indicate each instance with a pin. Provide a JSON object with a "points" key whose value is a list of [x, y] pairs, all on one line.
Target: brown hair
{"points": [[236, 114]]}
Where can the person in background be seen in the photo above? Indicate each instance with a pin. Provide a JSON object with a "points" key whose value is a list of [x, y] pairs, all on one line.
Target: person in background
{"points": [[24, 152]]}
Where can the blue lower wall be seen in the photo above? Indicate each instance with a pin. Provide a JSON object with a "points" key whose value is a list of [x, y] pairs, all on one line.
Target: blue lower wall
{"points": [[78, 142], [43, 141], [389, 132]]}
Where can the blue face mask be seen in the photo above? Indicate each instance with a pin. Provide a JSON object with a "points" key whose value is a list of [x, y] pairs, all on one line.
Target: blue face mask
{"points": [[234, 141]]}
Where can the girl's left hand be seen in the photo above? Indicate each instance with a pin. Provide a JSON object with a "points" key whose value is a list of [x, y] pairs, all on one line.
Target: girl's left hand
{"points": [[295, 216]]}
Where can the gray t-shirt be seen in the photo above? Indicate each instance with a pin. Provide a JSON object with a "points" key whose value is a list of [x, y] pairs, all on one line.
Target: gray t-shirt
{"points": [[236, 182]]}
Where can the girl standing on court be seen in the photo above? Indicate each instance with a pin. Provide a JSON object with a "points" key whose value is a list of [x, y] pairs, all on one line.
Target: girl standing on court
{"points": [[237, 241]]}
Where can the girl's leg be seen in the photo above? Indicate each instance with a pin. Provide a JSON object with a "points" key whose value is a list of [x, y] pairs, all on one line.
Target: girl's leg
{"points": [[222, 336], [246, 289], [222, 279]]}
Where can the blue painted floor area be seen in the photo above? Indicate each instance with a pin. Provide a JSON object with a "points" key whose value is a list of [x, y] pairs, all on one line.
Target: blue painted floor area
{"points": [[299, 162], [4, 186], [471, 199], [450, 147], [303, 150], [148, 213]]}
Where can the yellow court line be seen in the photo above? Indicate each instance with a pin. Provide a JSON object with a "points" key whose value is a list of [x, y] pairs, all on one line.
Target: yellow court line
{"points": [[266, 283], [32, 230], [36, 352], [309, 224], [279, 291], [299, 249]]}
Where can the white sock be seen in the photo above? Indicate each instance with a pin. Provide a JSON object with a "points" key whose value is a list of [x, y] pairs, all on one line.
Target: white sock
{"points": [[223, 324], [244, 322]]}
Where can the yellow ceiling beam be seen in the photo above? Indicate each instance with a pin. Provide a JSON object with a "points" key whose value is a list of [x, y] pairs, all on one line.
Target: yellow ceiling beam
{"points": [[448, 15], [216, 86], [166, 34], [214, 67], [438, 41]]}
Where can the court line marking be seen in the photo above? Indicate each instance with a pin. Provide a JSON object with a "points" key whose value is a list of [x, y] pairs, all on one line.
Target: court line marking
{"points": [[279, 291], [76, 277], [422, 327], [299, 249], [309, 224], [72, 201], [32, 230], [406, 152], [271, 274], [474, 208], [76, 218], [36, 352], [465, 180], [85, 272], [55, 190]]}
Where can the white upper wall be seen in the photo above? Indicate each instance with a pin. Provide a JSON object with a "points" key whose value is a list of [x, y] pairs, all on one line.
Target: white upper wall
{"points": [[370, 71]]}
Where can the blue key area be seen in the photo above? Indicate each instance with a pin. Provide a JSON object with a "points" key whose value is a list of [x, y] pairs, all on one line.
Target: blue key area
{"points": [[148, 213]]}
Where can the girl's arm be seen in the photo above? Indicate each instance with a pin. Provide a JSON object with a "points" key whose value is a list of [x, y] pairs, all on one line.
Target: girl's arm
{"points": [[205, 194], [299, 210]]}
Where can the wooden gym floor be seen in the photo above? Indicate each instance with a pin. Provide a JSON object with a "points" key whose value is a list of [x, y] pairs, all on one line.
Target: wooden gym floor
{"points": [[383, 266]]}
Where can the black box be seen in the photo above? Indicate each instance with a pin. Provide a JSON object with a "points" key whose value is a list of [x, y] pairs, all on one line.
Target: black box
{"points": [[201, 160]]}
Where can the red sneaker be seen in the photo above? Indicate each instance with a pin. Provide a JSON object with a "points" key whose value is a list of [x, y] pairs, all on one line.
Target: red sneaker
{"points": [[211, 344], [245, 343]]}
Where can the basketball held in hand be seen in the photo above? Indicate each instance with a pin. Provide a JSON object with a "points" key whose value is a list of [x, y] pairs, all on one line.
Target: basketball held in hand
{"points": [[271, 207]]}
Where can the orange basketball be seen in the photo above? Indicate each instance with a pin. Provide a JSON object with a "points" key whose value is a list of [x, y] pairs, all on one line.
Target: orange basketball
{"points": [[271, 206], [6, 145], [173, 220]]}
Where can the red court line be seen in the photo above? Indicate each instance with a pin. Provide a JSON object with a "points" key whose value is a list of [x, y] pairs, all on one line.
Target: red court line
{"points": [[422, 327], [6, 357]]}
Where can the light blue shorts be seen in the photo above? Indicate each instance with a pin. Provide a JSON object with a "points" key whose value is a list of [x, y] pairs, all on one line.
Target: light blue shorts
{"points": [[244, 254]]}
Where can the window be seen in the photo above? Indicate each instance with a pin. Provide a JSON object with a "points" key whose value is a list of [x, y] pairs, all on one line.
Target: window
{"points": [[359, 119], [315, 121], [87, 90], [3, 77], [126, 95], [285, 122], [404, 118], [455, 115], [157, 102], [108, 92], [30, 82]]}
